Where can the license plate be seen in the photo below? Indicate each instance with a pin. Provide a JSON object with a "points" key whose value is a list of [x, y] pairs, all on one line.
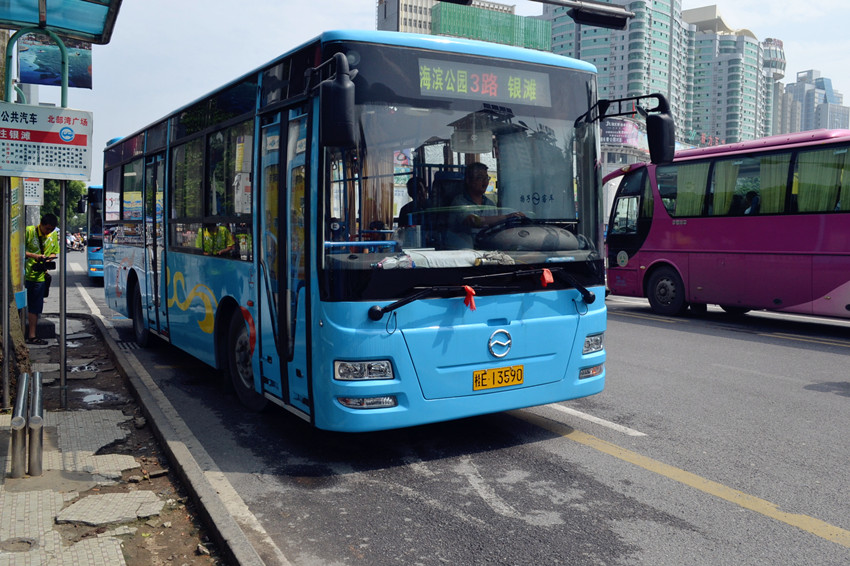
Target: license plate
{"points": [[496, 377]]}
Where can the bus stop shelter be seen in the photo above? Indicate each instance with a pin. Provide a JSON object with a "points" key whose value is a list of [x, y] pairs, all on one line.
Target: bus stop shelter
{"points": [[86, 20]]}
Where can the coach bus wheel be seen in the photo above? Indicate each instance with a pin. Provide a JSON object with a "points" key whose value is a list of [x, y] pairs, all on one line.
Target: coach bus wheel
{"points": [[239, 365], [140, 330], [666, 292]]}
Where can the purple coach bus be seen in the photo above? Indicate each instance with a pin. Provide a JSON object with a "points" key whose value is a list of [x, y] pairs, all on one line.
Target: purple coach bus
{"points": [[762, 224]]}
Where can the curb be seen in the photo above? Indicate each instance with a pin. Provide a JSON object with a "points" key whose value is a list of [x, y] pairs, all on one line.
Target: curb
{"points": [[175, 437]]}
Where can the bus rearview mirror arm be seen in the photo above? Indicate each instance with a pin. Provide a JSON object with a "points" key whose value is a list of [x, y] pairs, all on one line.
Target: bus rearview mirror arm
{"points": [[337, 127], [660, 127]]}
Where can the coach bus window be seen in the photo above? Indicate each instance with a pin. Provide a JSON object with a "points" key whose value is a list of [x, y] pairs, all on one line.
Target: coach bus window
{"points": [[726, 200], [766, 176], [773, 171], [823, 180], [685, 187]]}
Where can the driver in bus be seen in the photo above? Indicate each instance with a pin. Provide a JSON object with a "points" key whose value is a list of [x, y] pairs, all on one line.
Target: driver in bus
{"points": [[476, 210]]}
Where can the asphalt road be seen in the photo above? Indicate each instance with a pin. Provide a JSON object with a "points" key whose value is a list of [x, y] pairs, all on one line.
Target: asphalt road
{"points": [[716, 441]]}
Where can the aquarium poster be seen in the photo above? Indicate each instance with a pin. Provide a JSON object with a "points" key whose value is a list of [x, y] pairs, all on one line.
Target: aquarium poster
{"points": [[40, 61]]}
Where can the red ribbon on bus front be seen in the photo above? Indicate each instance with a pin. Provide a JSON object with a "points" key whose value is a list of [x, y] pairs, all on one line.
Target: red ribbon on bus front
{"points": [[470, 297], [546, 277]]}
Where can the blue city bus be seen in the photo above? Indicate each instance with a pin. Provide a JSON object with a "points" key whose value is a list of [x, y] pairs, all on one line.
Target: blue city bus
{"points": [[94, 232], [258, 230]]}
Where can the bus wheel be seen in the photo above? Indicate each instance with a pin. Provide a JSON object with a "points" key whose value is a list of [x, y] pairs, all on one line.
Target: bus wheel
{"points": [[734, 311], [666, 292], [140, 329], [239, 365]]}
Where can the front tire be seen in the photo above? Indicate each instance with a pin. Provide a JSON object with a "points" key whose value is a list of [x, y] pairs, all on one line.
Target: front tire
{"points": [[239, 365], [666, 292], [140, 329]]}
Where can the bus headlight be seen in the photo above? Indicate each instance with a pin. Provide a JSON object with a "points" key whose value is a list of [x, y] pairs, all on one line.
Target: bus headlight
{"points": [[362, 371], [593, 343]]}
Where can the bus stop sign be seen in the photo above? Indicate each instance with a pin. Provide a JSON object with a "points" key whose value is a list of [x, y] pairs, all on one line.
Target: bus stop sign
{"points": [[45, 142]]}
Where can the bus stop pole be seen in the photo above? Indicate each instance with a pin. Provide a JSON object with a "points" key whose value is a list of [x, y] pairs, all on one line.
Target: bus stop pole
{"points": [[7, 248], [7, 240], [63, 260]]}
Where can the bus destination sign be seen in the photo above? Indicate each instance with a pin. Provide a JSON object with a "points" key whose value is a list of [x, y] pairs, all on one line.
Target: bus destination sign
{"points": [[454, 79]]}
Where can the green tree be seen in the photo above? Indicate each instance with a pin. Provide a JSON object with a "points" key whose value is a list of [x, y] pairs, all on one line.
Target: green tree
{"points": [[74, 222]]}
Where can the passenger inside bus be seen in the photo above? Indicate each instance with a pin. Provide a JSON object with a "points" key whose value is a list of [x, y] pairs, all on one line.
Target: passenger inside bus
{"points": [[410, 213], [752, 203], [215, 240]]}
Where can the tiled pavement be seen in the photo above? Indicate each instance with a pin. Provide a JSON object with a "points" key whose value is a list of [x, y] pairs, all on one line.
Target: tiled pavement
{"points": [[31, 508]]}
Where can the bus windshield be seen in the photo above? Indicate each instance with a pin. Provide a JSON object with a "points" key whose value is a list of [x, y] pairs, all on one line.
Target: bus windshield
{"points": [[472, 164]]}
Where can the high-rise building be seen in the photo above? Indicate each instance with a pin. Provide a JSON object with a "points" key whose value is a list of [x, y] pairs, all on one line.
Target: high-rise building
{"points": [[414, 16], [653, 54], [787, 113], [820, 105], [774, 71], [729, 83], [487, 21]]}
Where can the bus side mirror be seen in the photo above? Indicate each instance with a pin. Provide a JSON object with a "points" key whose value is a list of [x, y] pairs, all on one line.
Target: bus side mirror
{"points": [[81, 206], [337, 123], [661, 134]]}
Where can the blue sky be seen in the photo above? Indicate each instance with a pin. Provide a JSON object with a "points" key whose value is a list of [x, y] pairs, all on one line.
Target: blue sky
{"points": [[167, 53]]}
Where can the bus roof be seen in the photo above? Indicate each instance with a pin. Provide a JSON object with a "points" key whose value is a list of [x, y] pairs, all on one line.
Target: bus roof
{"points": [[457, 45], [771, 142], [417, 41]]}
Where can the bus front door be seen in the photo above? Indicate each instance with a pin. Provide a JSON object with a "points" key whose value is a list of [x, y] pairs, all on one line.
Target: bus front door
{"points": [[628, 227], [282, 260]]}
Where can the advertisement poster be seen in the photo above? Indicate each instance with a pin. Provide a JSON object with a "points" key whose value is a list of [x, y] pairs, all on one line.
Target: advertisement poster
{"points": [[17, 225], [40, 61]]}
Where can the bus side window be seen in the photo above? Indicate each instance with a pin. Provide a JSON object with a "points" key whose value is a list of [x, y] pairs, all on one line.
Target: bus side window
{"points": [[683, 188], [821, 182]]}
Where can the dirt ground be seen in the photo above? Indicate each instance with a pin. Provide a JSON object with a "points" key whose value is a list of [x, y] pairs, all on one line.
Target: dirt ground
{"points": [[175, 537]]}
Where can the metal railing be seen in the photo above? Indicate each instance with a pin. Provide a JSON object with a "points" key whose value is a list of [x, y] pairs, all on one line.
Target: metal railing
{"points": [[28, 414]]}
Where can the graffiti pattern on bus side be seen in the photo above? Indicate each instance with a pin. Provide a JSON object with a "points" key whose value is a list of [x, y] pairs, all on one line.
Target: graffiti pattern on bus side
{"points": [[198, 291]]}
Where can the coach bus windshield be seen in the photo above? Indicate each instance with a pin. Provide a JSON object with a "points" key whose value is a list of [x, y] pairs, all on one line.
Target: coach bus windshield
{"points": [[462, 163]]}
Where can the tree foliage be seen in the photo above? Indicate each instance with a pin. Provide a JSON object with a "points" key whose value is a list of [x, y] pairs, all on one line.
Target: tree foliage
{"points": [[53, 203]]}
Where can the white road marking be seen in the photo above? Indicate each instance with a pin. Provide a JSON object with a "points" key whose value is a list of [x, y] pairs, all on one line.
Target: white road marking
{"points": [[602, 422]]}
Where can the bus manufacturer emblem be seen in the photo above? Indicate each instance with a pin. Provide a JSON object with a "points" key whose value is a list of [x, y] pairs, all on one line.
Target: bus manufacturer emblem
{"points": [[499, 343]]}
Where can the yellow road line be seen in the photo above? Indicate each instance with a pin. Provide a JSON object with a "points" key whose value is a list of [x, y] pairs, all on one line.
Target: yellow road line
{"points": [[842, 344], [811, 525], [644, 317]]}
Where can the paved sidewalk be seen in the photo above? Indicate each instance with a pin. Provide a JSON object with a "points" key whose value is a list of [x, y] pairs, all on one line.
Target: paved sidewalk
{"points": [[32, 507], [105, 496]]}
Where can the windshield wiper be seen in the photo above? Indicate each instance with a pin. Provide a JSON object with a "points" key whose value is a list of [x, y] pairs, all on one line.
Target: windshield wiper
{"points": [[588, 296], [377, 312]]}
